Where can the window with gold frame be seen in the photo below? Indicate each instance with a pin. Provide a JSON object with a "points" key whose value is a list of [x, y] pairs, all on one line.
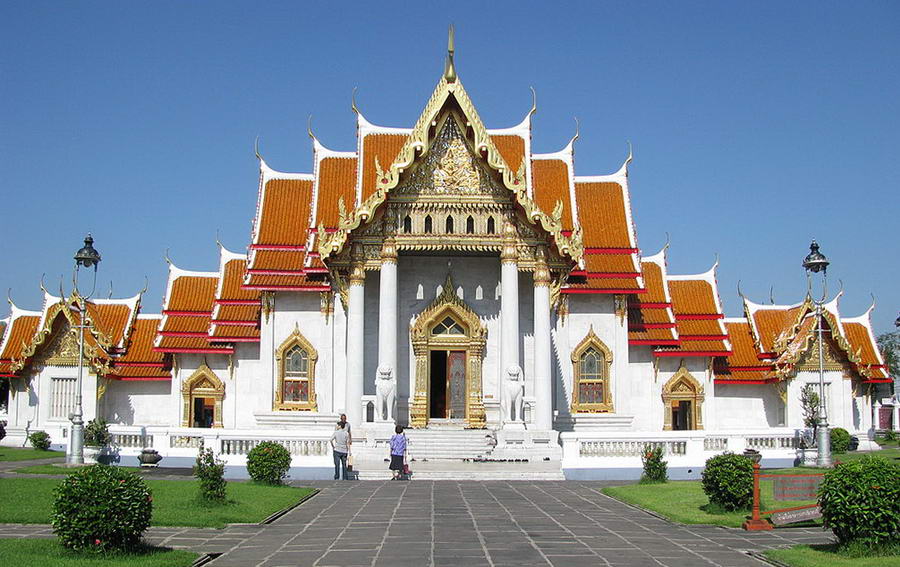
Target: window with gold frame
{"points": [[591, 362], [296, 388]]}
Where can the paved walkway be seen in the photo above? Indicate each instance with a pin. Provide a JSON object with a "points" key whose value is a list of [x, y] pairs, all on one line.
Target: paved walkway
{"points": [[449, 523]]}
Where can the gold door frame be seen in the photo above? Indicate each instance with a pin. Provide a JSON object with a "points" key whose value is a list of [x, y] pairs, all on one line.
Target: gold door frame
{"points": [[683, 387], [472, 342], [203, 383]]}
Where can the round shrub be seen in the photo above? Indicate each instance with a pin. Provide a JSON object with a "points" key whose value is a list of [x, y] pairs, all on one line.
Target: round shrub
{"points": [[40, 440], [101, 508], [728, 481], [96, 433], [860, 501], [268, 462], [840, 440]]}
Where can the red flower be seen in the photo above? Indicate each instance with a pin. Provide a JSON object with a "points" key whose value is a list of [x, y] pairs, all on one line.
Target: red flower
{"points": [[96, 542]]}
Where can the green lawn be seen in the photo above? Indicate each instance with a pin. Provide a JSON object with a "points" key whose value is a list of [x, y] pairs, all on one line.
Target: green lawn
{"points": [[684, 501], [23, 454], [819, 555], [30, 500], [48, 553], [46, 469], [889, 454]]}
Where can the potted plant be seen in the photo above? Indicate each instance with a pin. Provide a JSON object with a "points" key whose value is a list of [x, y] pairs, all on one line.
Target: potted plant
{"points": [[96, 441]]}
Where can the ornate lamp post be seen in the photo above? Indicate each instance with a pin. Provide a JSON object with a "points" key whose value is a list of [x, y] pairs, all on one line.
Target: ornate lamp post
{"points": [[87, 257], [814, 263]]}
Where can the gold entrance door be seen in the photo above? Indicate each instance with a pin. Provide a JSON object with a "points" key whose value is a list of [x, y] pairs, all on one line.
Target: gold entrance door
{"points": [[447, 381]]}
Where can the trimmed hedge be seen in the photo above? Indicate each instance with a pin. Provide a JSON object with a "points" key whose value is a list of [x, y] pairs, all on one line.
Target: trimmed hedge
{"points": [[268, 462], [40, 440], [101, 508], [860, 501], [840, 440], [728, 481]]}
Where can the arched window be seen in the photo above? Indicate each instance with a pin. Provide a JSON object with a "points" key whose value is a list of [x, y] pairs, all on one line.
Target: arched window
{"points": [[470, 225], [449, 225], [491, 228], [591, 362], [407, 224], [296, 388], [427, 224]]}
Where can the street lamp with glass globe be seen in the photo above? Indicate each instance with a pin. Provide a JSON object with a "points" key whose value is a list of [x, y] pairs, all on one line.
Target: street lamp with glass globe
{"points": [[814, 263], [87, 257]]}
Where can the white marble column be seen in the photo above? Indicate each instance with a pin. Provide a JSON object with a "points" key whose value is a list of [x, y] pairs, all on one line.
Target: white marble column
{"points": [[543, 385], [387, 314], [509, 316], [355, 342]]}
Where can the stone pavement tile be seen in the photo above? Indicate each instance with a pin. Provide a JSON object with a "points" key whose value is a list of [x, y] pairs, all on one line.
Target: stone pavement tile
{"points": [[346, 559], [574, 561]]}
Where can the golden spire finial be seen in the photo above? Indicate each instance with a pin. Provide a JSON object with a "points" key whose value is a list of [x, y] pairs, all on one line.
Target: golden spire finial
{"points": [[449, 69]]}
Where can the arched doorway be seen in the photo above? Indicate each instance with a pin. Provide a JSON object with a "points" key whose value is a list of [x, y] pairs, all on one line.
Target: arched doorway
{"points": [[202, 394], [682, 399], [448, 340]]}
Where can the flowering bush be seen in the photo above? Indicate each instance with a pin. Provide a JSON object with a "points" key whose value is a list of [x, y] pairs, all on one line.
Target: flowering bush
{"points": [[40, 440], [655, 468], [860, 501], [727, 480], [268, 462], [101, 508], [210, 471]]}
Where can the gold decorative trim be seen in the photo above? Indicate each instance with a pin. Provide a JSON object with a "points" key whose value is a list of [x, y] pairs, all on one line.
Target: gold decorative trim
{"points": [[417, 144], [473, 342], [592, 341], [683, 387], [541, 271], [203, 383], [296, 339]]}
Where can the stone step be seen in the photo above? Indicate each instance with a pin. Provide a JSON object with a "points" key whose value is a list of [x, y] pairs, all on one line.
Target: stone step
{"points": [[459, 470]]}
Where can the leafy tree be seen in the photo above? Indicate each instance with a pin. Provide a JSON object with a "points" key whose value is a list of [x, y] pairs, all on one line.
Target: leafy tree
{"points": [[809, 403], [889, 344]]}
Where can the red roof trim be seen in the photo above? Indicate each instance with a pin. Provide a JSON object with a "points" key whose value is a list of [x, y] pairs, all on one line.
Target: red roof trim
{"points": [[251, 302], [619, 291], [765, 368], [288, 247], [289, 287], [699, 316], [226, 350], [186, 313], [316, 270], [611, 251], [654, 342], [232, 323], [692, 353], [233, 340], [181, 334], [144, 378], [605, 275], [878, 381], [139, 364], [727, 381], [704, 337], [275, 272], [766, 355], [643, 326], [9, 375]]}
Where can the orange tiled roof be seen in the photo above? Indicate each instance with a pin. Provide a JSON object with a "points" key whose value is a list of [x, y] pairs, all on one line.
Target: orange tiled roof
{"points": [[385, 147], [111, 319], [278, 259], [601, 285], [191, 344], [770, 323], [284, 213], [653, 281], [550, 178], [512, 149], [237, 313], [858, 336], [192, 293], [140, 361], [225, 332], [21, 332], [336, 181], [602, 215], [609, 263], [232, 280], [692, 297], [287, 282]]}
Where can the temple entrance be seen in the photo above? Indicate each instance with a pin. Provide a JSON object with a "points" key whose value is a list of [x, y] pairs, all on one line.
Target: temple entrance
{"points": [[202, 394], [204, 412], [447, 397], [448, 340], [682, 397], [681, 415]]}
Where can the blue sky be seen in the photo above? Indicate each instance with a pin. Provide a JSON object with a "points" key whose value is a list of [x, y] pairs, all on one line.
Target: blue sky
{"points": [[755, 127]]}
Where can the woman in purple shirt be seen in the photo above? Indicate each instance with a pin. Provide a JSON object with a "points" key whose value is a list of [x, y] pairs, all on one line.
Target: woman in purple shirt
{"points": [[398, 452]]}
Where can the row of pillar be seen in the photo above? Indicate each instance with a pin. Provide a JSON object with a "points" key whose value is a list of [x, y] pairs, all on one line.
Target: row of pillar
{"points": [[509, 328]]}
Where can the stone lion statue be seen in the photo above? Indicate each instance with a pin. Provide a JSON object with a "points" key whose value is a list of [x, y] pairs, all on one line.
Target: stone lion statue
{"points": [[515, 393], [385, 393]]}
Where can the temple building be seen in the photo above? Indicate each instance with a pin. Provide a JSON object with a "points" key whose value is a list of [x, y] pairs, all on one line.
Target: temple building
{"points": [[445, 277]]}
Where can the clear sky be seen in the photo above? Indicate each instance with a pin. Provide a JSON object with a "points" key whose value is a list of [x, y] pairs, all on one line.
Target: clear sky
{"points": [[756, 126]]}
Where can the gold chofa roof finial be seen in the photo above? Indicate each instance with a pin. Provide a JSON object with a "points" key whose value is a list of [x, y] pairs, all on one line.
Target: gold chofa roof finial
{"points": [[449, 69]]}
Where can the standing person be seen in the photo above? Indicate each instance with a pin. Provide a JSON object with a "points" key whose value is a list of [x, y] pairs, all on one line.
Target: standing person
{"points": [[347, 427], [340, 446], [349, 442], [398, 452]]}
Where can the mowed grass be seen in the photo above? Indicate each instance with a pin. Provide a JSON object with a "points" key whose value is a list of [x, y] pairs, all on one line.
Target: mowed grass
{"points": [[684, 501], [891, 454], [175, 502], [820, 555], [46, 469], [48, 553], [24, 454]]}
